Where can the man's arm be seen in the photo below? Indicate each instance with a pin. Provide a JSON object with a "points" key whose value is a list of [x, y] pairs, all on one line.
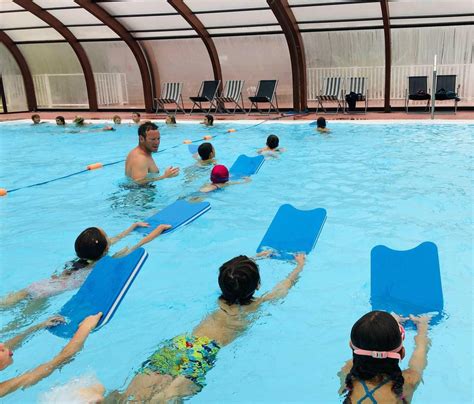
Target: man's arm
{"points": [[142, 180]]}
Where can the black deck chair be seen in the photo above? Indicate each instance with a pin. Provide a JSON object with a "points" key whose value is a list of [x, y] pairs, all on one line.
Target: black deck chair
{"points": [[446, 89], [207, 93], [417, 91], [266, 92]]}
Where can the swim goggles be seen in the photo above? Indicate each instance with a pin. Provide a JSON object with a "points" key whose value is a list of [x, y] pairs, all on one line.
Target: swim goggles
{"points": [[393, 354]]}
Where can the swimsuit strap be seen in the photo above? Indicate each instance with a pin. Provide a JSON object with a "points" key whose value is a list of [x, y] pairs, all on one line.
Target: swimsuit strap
{"points": [[370, 393]]}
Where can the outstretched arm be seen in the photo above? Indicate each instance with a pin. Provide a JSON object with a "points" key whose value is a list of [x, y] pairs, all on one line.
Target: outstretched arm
{"points": [[126, 232], [140, 176], [15, 342], [418, 360], [153, 234], [34, 376], [281, 289]]}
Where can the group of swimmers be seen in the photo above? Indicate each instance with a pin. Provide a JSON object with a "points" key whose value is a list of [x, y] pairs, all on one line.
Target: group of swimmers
{"points": [[178, 367]]}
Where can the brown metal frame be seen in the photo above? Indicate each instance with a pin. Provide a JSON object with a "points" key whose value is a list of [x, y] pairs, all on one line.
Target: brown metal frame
{"points": [[53, 22], [287, 21], [388, 54], [197, 25], [25, 70], [140, 55]]}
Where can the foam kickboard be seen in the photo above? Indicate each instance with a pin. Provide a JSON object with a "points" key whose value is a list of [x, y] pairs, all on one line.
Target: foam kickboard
{"points": [[246, 166], [102, 291], [293, 231]]}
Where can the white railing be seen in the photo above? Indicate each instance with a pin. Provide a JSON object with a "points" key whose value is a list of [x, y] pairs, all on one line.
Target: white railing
{"points": [[376, 78]]}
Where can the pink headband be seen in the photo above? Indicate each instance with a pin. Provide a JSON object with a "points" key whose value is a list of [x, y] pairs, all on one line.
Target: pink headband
{"points": [[393, 354]]}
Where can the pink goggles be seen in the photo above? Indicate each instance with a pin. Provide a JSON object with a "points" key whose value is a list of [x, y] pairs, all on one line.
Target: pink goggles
{"points": [[393, 354]]}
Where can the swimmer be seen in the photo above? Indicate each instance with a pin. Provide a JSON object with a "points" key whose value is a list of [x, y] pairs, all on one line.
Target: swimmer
{"points": [[136, 118], [117, 120], [373, 374], [220, 179], [206, 153], [170, 119], [91, 245], [36, 119], [32, 377], [321, 125], [208, 120], [60, 121], [79, 121], [178, 367], [272, 145], [140, 163]]}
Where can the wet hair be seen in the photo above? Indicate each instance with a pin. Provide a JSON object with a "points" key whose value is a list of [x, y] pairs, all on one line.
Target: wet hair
{"points": [[91, 244], [210, 119], [61, 119], [172, 118], [376, 331], [79, 120], [137, 114], [34, 116], [321, 122], [238, 280], [205, 150], [145, 127], [273, 141], [116, 117]]}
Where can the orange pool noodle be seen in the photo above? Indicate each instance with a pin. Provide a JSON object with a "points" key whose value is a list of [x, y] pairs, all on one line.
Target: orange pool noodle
{"points": [[187, 141], [207, 137], [94, 166], [3, 192], [231, 130]]}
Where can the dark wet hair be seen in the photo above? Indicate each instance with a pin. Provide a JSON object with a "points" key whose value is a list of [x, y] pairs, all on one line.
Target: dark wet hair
{"points": [[90, 244], [34, 116], [205, 150], [321, 122], [210, 119], [172, 118], [376, 331], [238, 280], [61, 118], [273, 141], [145, 127], [136, 113]]}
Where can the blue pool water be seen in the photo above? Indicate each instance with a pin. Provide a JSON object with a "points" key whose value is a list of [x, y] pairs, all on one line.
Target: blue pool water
{"points": [[393, 184]]}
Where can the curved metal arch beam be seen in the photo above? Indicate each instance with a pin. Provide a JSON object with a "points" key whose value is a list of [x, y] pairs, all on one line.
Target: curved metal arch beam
{"points": [[388, 54], [287, 21], [53, 22], [25, 70], [197, 25], [146, 72]]}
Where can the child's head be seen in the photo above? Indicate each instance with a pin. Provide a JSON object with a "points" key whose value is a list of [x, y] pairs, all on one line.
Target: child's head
{"points": [[117, 120], [219, 174], [206, 151], [273, 141], [6, 356], [208, 120], [239, 279], [321, 122], [136, 117], [35, 118], [60, 120], [78, 120], [91, 244], [377, 345], [170, 119]]}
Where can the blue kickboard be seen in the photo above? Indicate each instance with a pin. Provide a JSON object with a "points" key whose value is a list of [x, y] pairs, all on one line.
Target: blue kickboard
{"points": [[102, 291], [293, 231], [177, 214], [245, 166], [193, 148], [406, 282], [314, 123]]}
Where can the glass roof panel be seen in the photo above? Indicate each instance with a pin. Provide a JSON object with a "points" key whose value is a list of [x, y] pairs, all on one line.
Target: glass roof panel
{"points": [[41, 34], [243, 30], [212, 5], [55, 3], [341, 25], [20, 20], [346, 12], [93, 32], [75, 16], [137, 7], [164, 34], [161, 22], [9, 5], [237, 18], [417, 8]]}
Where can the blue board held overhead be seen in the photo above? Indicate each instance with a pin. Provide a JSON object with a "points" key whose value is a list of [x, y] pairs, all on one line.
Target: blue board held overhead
{"points": [[102, 291], [177, 214], [406, 282], [293, 231], [246, 166]]}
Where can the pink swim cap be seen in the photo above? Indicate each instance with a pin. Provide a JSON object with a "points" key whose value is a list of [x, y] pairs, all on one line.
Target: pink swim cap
{"points": [[219, 174]]}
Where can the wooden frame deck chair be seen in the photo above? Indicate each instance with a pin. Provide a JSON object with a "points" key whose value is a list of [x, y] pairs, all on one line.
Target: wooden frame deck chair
{"points": [[170, 94], [207, 93], [358, 86], [446, 89], [417, 91], [266, 92], [232, 93], [332, 91]]}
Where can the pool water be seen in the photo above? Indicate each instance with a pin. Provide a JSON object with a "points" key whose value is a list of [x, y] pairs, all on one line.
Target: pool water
{"points": [[393, 184]]}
